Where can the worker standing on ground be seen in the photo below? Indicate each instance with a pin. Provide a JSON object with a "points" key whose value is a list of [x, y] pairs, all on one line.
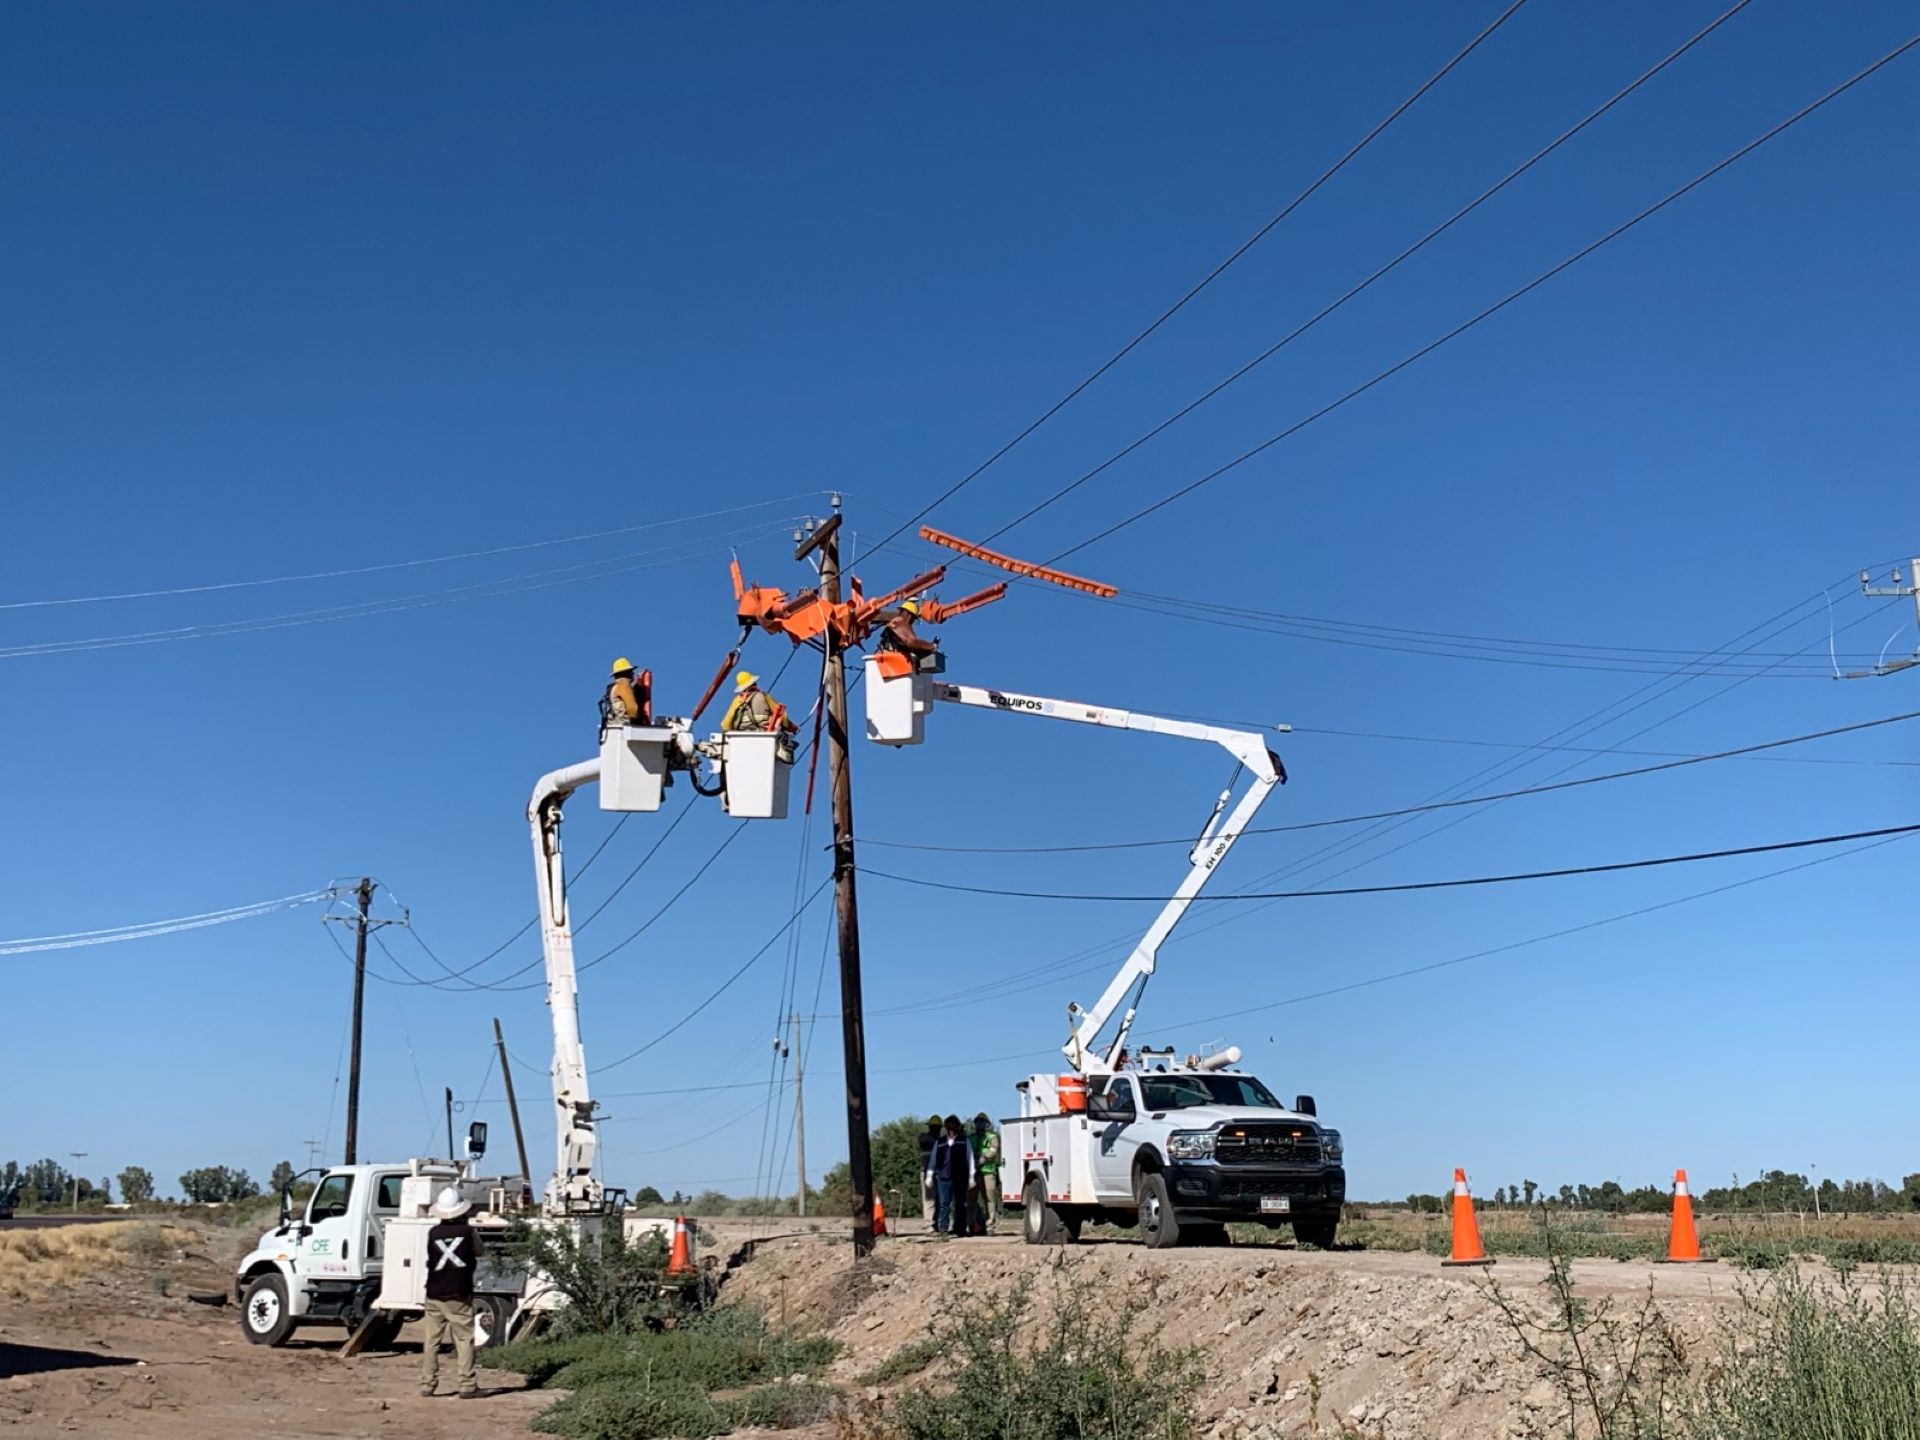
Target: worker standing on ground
{"points": [[451, 1257], [753, 708], [900, 637], [628, 699], [952, 1178], [929, 1138], [986, 1155]]}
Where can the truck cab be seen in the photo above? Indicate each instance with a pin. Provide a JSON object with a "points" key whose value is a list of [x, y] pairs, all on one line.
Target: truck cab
{"points": [[1179, 1150], [322, 1262]]}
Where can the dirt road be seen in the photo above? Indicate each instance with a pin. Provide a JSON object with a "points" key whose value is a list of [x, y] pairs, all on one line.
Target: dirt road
{"points": [[107, 1357]]}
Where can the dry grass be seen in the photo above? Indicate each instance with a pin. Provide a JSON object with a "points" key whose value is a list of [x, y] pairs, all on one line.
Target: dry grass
{"points": [[40, 1259]]}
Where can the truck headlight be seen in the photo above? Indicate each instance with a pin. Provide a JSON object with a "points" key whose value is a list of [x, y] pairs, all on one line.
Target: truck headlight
{"points": [[1190, 1145], [1332, 1149]]}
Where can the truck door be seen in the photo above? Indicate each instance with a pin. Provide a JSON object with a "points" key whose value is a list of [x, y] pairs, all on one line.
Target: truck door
{"points": [[1115, 1135], [333, 1247], [386, 1205]]}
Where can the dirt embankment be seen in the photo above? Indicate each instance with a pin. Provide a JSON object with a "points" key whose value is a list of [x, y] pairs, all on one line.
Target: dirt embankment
{"points": [[1388, 1345]]}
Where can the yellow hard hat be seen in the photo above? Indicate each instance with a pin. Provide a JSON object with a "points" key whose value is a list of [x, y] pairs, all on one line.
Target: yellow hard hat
{"points": [[912, 607], [622, 664], [744, 679]]}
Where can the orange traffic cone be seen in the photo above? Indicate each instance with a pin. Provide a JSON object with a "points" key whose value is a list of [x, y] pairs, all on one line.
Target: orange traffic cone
{"points": [[680, 1262], [1683, 1241], [1466, 1229], [879, 1218]]}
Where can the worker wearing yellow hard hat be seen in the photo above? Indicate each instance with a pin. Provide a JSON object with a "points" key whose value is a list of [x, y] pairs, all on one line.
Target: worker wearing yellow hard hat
{"points": [[753, 708], [901, 638], [628, 698]]}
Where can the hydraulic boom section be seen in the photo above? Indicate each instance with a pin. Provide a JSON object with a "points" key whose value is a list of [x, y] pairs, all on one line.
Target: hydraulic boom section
{"points": [[896, 710]]}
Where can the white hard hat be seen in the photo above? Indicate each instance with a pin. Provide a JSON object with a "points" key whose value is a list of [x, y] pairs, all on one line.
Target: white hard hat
{"points": [[449, 1206]]}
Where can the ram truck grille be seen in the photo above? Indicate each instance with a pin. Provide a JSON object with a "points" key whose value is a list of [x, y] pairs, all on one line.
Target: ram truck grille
{"points": [[1267, 1144]]}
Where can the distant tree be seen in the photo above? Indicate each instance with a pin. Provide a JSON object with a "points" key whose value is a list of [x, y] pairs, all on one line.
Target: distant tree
{"points": [[105, 1192], [711, 1202], [47, 1182], [216, 1184], [1531, 1186], [649, 1196], [1566, 1196], [11, 1178], [136, 1185], [1500, 1197], [1586, 1198], [281, 1179], [1910, 1191]]}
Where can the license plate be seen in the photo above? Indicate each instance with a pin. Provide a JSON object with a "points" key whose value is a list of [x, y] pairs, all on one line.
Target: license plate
{"points": [[1276, 1205]]}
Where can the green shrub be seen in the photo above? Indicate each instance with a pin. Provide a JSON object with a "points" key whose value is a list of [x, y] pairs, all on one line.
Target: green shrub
{"points": [[1817, 1363], [909, 1359], [1086, 1374]]}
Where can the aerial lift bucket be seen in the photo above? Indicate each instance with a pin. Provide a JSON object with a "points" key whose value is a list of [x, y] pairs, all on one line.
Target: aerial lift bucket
{"points": [[898, 699], [633, 767], [758, 767]]}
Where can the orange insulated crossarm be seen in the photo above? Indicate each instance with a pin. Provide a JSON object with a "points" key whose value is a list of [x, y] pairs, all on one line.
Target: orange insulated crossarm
{"points": [[1018, 567]]}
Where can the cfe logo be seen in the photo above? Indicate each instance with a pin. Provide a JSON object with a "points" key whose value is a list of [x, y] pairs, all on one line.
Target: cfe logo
{"points": [[320, 1247]]}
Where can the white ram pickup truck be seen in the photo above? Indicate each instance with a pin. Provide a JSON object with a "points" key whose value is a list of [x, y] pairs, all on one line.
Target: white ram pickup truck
{"points": [[1177, 1150]]}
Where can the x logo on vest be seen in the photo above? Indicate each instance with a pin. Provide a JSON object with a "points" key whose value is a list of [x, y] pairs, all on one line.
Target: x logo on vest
{"points": [[449, 1255]]}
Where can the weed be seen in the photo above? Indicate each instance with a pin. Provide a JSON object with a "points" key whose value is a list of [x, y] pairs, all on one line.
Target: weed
{"points": [[1085, 1373], [909, 1359], [161, 1283]]}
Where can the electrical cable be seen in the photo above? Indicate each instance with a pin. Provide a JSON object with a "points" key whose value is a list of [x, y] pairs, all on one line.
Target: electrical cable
{"points": [[725, 985], [1541, 279], [1543, 789], [1208, 279], [1434, 234], [451, 595], [1604, 869], [148, 929], [397, 564]]}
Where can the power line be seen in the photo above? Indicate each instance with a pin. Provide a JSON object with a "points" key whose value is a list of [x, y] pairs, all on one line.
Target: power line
{"points": [[451, 595], [1533, 940], [1541, 279], [1210, 277], [393, 564], [1544, 789], [148, 929], [1605, 869], [1382, 272]]}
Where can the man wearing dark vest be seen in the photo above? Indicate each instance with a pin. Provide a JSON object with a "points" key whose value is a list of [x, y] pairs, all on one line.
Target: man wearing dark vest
{"points": [[451, 1255]]}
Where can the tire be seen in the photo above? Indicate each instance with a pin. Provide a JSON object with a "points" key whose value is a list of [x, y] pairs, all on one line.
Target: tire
{"points": [[265, 1314], [1159, 1225], [1041, 1222], [1318, 1233], [490, 1316]]}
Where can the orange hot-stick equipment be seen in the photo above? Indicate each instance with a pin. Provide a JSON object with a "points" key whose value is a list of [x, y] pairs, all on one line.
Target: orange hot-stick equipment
{"points": [[1018, 567]]}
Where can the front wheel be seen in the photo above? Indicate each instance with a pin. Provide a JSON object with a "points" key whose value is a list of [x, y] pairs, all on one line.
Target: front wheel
{"points": [[1159, 1226], [1317, 1233], [265, 1314], [490, 1316]]}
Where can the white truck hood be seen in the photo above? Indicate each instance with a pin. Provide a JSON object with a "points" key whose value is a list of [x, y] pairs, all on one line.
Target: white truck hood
{"points": [[1205, 1117]]}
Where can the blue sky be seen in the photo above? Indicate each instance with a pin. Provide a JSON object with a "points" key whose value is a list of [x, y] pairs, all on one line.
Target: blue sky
{"points": [[297, 289]]}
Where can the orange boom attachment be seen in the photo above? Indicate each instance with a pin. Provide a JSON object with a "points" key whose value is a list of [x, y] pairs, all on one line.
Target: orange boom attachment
{"points": [[807, 616]]}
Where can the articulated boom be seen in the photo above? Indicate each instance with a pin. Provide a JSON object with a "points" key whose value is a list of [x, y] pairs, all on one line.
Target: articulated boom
{"points": [[1222, 830]]}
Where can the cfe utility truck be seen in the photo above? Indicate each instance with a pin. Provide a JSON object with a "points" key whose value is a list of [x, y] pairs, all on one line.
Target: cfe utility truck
{"points": [[1178, 1146]]}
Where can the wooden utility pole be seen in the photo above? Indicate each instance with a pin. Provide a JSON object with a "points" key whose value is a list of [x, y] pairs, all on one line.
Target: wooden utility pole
{"points": [[845, 904], [513, 1105], [800, 1114], [365, 892]]}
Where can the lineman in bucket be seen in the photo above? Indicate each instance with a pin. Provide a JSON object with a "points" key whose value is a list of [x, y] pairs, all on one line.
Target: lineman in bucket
{"points": [[451, 1255]]}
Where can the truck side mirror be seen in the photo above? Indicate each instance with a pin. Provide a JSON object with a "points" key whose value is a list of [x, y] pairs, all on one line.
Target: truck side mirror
{"points": [[1304, 1106], [1111, 1106], [476, 1139], [286, 1205]]}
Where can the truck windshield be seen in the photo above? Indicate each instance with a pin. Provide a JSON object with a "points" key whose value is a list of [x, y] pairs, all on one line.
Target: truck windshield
{"points": [[1183, 1092]]}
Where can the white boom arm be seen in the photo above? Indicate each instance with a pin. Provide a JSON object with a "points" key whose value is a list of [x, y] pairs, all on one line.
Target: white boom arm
{"points": [[573, 1188], [1216, 838]]}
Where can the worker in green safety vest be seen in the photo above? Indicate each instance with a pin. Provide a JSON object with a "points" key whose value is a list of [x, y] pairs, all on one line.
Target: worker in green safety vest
{"points": [[986, 1154]]}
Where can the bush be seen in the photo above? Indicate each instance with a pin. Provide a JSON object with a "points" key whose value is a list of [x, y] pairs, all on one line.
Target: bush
{"points": [[662, 1382], [1817, 1363], [612, 1285], [1086, 1374]]}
